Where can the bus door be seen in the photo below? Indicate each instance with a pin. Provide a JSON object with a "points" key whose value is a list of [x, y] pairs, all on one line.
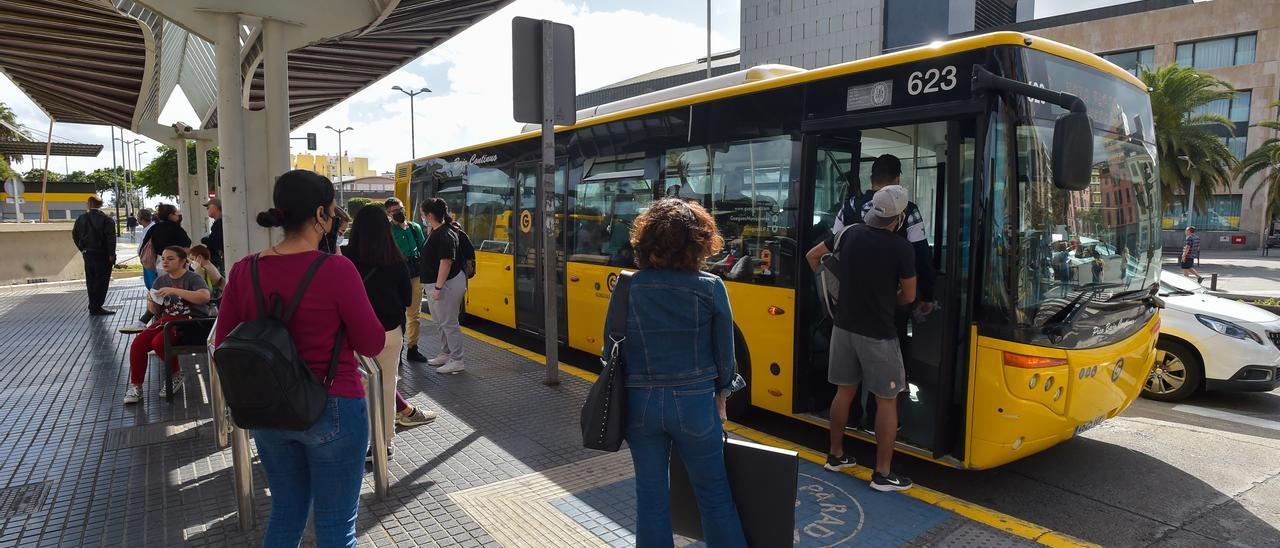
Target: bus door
{"points": [[927, 413], [528, 249], [829, 174]]}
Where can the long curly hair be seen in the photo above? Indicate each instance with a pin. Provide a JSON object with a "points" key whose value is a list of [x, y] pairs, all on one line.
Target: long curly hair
{"points": [[675, 235]]}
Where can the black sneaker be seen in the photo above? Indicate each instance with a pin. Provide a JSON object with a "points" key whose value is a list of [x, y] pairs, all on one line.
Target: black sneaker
{"points": [[836, 464], [391, 454], [414, 356], [889, 482]]}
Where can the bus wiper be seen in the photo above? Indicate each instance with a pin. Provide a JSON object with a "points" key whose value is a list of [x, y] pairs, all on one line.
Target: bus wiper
{"points": [[1059, 324], [1133, 295]]}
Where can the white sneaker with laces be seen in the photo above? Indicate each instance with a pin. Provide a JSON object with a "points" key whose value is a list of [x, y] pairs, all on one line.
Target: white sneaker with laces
{"points": [[452, 366], [177, 385], [440, 359], [133, 394], [136, 327]]}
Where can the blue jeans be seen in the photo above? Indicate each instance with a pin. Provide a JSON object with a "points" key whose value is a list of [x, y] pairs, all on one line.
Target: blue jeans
{"points": [[149, 276], [324, 465], [687, 417]]}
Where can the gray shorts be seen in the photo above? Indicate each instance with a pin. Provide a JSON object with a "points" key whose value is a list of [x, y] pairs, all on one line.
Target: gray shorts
{"points": [[876, 363]]}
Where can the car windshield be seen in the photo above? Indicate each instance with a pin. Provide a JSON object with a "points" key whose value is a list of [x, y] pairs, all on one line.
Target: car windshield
{"points": [[1177, 283]]}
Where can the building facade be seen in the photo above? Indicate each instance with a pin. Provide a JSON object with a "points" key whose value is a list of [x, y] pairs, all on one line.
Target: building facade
{"points": [[1237, 41], [324, 164]]}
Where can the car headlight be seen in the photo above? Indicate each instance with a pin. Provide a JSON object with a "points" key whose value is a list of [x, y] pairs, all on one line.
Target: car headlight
{"points": [[1229, 329]]}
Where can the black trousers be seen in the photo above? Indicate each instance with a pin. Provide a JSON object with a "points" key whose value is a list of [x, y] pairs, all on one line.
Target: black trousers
{"points": [[97, 275]]}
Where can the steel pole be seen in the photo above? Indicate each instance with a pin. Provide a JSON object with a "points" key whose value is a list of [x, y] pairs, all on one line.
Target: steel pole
{"points": [[342, 189], [546, 191], [44, 177], [413, 138], [115, 178], [708, 39]]}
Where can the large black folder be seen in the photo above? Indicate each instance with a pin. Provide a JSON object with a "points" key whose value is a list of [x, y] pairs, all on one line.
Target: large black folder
{"points": [[763, 480]]}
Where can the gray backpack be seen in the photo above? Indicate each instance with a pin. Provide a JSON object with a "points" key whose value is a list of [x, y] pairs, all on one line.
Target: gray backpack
{"points": [[828, 274]]}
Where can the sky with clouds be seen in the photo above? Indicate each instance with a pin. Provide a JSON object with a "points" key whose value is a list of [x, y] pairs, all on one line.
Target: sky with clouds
{"points": [[470, 78]]}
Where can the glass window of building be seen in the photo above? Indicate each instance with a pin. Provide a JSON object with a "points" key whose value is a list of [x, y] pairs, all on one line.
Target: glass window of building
{"points": [[1221, 212], [1133, 60], [1218, 52], [1235, 109]]}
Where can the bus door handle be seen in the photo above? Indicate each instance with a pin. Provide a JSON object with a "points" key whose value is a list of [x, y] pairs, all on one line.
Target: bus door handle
{"points": [[573, 278], [507, 268]]}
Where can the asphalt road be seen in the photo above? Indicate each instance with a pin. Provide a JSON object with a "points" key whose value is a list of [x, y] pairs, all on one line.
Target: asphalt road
{"points": [[1202, 472]]}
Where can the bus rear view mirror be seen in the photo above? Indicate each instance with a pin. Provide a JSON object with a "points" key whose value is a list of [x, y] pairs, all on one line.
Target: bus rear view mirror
{"points": [[1072, 151]]}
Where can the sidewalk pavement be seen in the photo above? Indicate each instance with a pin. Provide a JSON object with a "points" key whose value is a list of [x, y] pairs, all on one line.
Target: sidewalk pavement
{"points": [[1242, 272], [503, 465]]}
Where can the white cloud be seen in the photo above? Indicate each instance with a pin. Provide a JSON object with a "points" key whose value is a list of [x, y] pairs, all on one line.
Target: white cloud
{"points": [[610, 46], [473, 102]]}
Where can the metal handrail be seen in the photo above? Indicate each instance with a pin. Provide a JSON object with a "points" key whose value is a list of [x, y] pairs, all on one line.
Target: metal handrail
{"points": [[226, 433], [371, 370]]}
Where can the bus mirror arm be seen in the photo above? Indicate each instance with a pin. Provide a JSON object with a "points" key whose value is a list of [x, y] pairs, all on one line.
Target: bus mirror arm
{"points": [[1072, 159]]}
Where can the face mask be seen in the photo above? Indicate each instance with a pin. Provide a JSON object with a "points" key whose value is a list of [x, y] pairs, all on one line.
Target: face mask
{"points": [[398, 216], [179, 218]]}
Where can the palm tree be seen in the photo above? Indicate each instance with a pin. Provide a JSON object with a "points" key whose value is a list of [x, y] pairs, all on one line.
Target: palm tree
{"points": [[1265, 158], [1190, 154], [9, 120]]}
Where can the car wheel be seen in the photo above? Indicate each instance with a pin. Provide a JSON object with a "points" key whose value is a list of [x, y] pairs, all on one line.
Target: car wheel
{"points": [[1176, 374]]}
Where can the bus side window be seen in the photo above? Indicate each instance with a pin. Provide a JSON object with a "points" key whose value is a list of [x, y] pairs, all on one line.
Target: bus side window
{"points": [[752, 203]]}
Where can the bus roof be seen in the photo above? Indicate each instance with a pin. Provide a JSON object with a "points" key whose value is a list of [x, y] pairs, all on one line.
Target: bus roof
{"points": [[755, 84]]}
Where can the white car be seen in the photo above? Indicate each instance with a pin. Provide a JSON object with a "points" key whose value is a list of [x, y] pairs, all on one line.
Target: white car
{"points": [[1211, 343]]}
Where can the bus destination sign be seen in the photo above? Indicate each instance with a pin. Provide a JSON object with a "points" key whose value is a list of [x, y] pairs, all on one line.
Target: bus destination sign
{"points": [[925, 82]]}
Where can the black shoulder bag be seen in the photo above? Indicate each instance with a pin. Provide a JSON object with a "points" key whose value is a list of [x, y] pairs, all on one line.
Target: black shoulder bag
{"points": [[604, 415]]}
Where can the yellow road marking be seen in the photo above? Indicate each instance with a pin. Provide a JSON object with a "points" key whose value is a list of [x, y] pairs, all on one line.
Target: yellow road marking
{"points": [[976, 512]]}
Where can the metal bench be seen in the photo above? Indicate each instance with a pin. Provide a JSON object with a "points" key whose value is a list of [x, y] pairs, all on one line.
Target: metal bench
{"points": [[182, 338]]}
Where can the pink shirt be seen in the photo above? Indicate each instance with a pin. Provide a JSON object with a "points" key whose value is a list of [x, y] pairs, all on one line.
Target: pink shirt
{"points": [[336, 295]]}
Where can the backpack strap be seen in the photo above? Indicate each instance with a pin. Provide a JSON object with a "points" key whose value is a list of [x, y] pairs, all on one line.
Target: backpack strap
{"points": [[333, 358], [258, 298], [302, 288]]}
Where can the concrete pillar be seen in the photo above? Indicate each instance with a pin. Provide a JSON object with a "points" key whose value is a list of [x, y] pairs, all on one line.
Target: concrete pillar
{"points": [[201, 183], [191, 216], [236, 223], [275, 59]]}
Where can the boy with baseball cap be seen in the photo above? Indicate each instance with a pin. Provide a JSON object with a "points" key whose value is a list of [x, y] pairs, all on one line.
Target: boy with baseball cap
{"points": [[864, 340]]}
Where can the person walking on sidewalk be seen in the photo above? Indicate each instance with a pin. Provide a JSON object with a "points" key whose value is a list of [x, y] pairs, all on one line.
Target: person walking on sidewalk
{"points": [[95, 236], [178, 294], [386, 282], [680, 368], [877, 275], [409, 239], [441, 266], [317, 471], [1190, 253], [166, 232]]}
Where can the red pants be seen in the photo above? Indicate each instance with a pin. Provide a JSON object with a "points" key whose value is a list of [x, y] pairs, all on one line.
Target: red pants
{"points": [[151, 338]]}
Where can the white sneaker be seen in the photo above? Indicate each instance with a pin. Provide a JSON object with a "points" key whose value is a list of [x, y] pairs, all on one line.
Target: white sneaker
{"points": [[136, 327], [439, 360], [133, 394], [177, 385], [452, 366]]}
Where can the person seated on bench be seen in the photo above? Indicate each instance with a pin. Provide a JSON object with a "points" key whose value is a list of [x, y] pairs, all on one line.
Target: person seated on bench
{"points": [[202, 264], [177, 294]]}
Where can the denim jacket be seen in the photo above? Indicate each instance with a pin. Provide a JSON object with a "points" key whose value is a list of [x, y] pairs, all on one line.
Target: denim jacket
{"points": [[679, 330]]}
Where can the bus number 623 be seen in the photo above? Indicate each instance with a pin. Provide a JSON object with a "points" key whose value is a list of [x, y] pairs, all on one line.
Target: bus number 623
{"points": [[932, 80]]}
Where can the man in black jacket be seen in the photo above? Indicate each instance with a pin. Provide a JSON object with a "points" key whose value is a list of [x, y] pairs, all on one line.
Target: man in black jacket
{"points": [[95, 237], [214, 240]]}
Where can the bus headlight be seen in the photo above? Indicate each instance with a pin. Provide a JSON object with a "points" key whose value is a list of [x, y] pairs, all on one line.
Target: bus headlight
{"points": [[1229, 329]]}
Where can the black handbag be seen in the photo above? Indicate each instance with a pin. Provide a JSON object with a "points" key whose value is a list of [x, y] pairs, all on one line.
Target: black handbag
{"points": [[763, 481], [604, 414]]}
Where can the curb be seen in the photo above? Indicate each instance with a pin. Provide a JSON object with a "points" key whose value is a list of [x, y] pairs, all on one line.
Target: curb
{"points": [[975, 512]]}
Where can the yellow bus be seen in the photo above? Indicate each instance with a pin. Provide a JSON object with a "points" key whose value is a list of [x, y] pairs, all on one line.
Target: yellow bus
{"points": [[1047, 317]]}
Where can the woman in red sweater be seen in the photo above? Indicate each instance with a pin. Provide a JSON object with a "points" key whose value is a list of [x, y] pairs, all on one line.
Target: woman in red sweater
{"points": [[324, 465]]}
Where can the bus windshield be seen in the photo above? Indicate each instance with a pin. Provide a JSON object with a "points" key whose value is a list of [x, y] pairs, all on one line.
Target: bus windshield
{"points": [[1051, 246]]}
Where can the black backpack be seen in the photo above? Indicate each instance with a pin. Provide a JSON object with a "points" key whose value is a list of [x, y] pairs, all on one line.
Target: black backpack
{"points": [[266, 383], [466, 252]]}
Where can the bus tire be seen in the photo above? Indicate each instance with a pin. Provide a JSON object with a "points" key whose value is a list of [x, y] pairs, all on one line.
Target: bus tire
{"points": [[1174, 359], [739, 404]]}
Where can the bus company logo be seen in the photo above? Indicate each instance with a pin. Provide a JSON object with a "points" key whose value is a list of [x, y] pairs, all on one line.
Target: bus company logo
{"points": [[476, 159], [526, 221], [1117, 370], [613, 281], [826, 515]]}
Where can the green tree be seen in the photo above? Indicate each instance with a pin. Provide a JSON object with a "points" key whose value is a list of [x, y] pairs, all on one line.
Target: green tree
{"points": [[33, 175], [354, 205], [104, 178], [8, 118], [160, 176], [1264, 160], [1190, 154]]}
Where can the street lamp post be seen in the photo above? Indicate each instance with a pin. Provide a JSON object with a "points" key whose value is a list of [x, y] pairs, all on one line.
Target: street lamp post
{"points": [[342, 198], [413, 152]]}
